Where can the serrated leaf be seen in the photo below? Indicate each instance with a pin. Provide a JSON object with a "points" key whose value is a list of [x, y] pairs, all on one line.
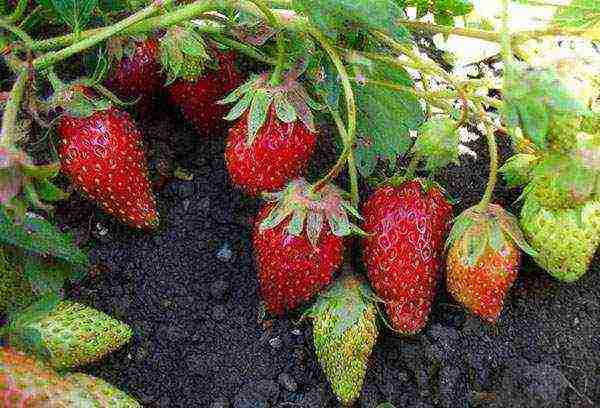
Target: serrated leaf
{"points": [[75, 13], [259, 110], [385, 117], [39, 236], [284, 109], [333, 16]]}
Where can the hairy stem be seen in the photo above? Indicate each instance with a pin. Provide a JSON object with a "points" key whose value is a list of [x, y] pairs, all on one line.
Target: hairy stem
{"points": [[11, 110], [493, 148], [244, 49], [276, 24], [350, 106], [352, 171], [490, 36]]}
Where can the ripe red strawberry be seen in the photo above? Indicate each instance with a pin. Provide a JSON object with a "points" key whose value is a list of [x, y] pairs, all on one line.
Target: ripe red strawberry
{"points": [[272, 142], [295, 262], [138, 73], [280, 153], [484, 259], [198, 99], [407, 226], [102, 153]]}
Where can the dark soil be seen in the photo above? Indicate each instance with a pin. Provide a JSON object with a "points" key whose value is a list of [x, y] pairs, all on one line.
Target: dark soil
{"points": [[191, 294]]}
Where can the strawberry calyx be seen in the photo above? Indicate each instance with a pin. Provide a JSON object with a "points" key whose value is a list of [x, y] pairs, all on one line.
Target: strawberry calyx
{"points": [[289, 100], [309, 210], [77, 100], [183, 53], [346, 302], [475, 230], [123, 47], [22, 183]]}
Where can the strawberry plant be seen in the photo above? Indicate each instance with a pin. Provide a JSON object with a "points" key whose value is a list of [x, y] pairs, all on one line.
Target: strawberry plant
{"points": [[274, 76]]}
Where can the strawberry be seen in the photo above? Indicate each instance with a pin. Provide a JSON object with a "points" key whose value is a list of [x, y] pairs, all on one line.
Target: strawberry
{"points": [[344, 332], [296, 252], [484, 259], [273, 142], [101, 151], [565, 239], [406, 228], [138, 72], [68, 334], [25, 382], [197, 98], [105, 394]]}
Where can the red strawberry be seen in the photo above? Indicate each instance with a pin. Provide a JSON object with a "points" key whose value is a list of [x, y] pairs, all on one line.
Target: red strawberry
{"points": [[274, 136], [295, 262], [280, 153], [198, 99], [138, 74], [407, 226], [103, 155], [484, 259]]}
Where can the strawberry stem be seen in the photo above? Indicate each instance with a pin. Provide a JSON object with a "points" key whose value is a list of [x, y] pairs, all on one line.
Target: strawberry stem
{"points": [[276, 24], [17, 13], [350, 108], [164, 21], [352, 171], [11, 110], [493, 148], [54, 57]]}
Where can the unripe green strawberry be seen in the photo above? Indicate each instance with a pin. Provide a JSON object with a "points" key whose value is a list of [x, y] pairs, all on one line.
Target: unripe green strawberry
{"points": [[517, 170], [345, 331], [565, 240], [548, 103], [183, 54], [438, 143], [103, 393], [561, 182], [68, 335]]}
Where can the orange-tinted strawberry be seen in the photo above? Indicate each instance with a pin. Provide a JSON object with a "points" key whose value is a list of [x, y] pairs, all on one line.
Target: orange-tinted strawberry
{"points": [[103, 155], [198, 99], [407, 226], [484, 259], [274, 135], [299, 244], [137, 73]]}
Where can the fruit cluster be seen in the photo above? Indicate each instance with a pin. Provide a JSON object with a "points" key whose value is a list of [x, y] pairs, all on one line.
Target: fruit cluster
{"points": [[405, 231]]}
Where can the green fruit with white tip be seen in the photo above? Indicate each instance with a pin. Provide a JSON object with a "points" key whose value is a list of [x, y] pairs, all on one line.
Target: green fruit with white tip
{"points": [[345, 331]]}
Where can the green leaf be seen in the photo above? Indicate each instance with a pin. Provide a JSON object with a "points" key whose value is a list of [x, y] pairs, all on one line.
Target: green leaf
{"points": [[258, 113], [39, 236], [385, 117], [48, 277], [333, 16], [443, 19], [49, 192], [75, 13]]}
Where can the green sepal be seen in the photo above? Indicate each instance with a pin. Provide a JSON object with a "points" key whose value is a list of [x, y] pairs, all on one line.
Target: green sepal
{"points": [[284, 109], [259, 110], [183, 53], [510, 226], [241, 90], [240, 107]]}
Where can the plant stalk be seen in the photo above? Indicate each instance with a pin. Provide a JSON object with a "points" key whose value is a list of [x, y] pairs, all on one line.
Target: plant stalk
{"points": [[11, 110], [493, 176], [17, 13], [54, 57], [350, 106], [276, 24], [352, 171]]}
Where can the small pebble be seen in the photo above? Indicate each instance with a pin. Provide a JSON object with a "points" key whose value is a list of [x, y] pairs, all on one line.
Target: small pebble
{"points": [[275, 342], [225, 253], [287, 382]]}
